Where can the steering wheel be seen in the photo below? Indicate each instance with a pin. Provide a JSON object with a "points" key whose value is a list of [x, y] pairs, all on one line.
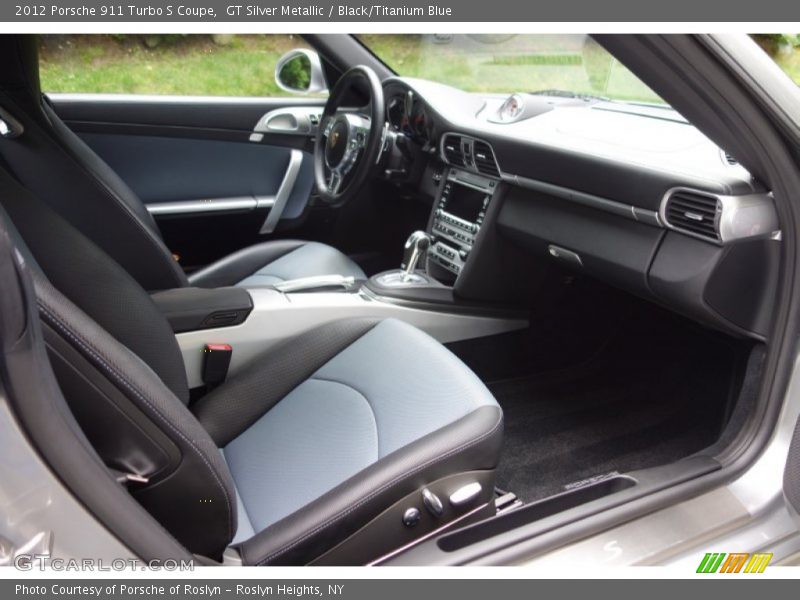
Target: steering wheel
{"points": [[348, 142]]}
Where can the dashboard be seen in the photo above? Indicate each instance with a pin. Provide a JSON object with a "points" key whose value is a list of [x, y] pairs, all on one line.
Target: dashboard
{"points": [[631, 194]]}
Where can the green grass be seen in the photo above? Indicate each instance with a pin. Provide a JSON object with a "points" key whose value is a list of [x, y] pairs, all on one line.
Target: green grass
{"points": [[192, 66]]}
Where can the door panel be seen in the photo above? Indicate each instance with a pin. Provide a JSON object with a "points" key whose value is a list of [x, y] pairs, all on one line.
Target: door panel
{"points": [[170, 112], [791, 477], [217, 173], [175, 171]]}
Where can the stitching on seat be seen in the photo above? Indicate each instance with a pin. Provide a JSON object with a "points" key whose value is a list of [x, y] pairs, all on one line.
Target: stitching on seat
{"points": [[474, 402], [380, 490], [369, 404], [106, 363]]}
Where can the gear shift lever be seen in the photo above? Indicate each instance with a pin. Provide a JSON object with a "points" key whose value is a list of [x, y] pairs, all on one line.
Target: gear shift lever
{"points": [[414, 250], [406, 276]]}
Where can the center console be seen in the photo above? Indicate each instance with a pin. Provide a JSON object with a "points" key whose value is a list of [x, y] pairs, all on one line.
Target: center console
{"points": [[275, 316], [434, 259], [458, 215], [423, 291]]}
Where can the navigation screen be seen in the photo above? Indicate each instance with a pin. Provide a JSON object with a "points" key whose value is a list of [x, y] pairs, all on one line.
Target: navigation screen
{"points": [[465, 203]]}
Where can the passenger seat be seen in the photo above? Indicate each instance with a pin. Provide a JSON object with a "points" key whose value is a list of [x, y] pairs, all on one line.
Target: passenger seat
{"points": [[338, 446]]}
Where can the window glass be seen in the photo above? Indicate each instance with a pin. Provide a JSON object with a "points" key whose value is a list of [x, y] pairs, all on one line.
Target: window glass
{"points": [[507, 63], [784, 48], [195, 65]]}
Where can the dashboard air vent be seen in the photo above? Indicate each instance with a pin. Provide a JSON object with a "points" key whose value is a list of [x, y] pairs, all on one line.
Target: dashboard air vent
{"points": [[693, 212], [729, 159], [485, 162], [453, 151]]}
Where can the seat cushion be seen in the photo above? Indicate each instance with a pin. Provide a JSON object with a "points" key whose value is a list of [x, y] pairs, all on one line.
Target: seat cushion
{"points": [[273, 262], [387, 399]]}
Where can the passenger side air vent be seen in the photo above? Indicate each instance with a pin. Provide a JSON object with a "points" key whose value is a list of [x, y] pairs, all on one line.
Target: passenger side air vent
{"points": [[693, 212], [453, 150], [485, 162]]}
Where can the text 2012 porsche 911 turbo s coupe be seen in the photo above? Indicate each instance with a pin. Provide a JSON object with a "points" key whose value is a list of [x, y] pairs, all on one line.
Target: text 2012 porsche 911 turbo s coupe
{"points": [[492, 299]]}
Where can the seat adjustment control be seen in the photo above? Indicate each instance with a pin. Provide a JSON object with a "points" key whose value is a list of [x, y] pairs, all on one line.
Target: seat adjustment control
{"points": [[432, 502], [411, 517], [465, 494]]}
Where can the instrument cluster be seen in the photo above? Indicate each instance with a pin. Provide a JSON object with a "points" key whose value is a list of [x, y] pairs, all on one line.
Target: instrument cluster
{"points": [[407, 115]]}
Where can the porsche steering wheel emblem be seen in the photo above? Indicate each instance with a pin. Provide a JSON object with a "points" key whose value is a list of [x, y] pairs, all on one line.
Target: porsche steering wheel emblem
{"points": [[334, 139]]}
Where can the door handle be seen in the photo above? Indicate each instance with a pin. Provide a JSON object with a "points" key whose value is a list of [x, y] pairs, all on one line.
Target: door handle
{"points": [[295, 120], [284, 192]]}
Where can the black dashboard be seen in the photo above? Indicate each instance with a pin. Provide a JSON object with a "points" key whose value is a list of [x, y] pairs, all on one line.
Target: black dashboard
{"points": [[631, 194]]}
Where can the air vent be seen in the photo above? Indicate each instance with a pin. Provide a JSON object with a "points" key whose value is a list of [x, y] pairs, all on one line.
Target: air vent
{"points": [[469, 153], [452, 148], [484, 159], [693, 212], [728, 158]]}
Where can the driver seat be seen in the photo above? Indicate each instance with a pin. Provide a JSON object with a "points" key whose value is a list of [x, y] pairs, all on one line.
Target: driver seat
{"points": [[60, 168]]}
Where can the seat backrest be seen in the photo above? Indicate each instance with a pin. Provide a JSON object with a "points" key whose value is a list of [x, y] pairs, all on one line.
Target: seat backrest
{"points": [[121, 371], [56, 165], [88, 277]]}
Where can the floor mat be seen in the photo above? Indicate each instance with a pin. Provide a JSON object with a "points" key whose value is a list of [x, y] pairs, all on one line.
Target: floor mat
{"points": [[626, 409]]}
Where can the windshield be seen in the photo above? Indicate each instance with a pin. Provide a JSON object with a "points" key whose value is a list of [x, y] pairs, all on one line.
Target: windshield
{"points": [[507, 63]]}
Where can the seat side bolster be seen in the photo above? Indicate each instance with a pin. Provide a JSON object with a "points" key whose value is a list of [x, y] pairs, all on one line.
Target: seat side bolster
{"points": [[231, 269], [198, 488], [470, 443]]}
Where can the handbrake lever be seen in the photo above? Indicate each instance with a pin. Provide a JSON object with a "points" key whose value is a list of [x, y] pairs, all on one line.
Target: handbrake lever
{"points": [[317, 282]]}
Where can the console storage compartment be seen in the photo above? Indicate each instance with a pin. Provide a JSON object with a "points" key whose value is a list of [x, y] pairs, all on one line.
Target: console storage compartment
{"points": [[191, 309]]}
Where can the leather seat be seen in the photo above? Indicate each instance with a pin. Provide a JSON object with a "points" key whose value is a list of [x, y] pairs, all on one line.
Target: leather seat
{"points": [[273, 262], [57, 166], [331, 437]]}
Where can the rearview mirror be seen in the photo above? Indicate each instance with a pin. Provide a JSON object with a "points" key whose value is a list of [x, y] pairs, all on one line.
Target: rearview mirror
{"points": [[300, 71]]}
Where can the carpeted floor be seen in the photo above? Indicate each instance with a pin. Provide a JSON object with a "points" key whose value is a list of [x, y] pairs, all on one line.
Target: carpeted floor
{"points": [[565, 427], [601, 382], [653, 393]]}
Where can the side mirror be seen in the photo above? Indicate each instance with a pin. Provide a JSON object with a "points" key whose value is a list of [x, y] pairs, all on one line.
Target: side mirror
{"points": [[300, 71]]}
